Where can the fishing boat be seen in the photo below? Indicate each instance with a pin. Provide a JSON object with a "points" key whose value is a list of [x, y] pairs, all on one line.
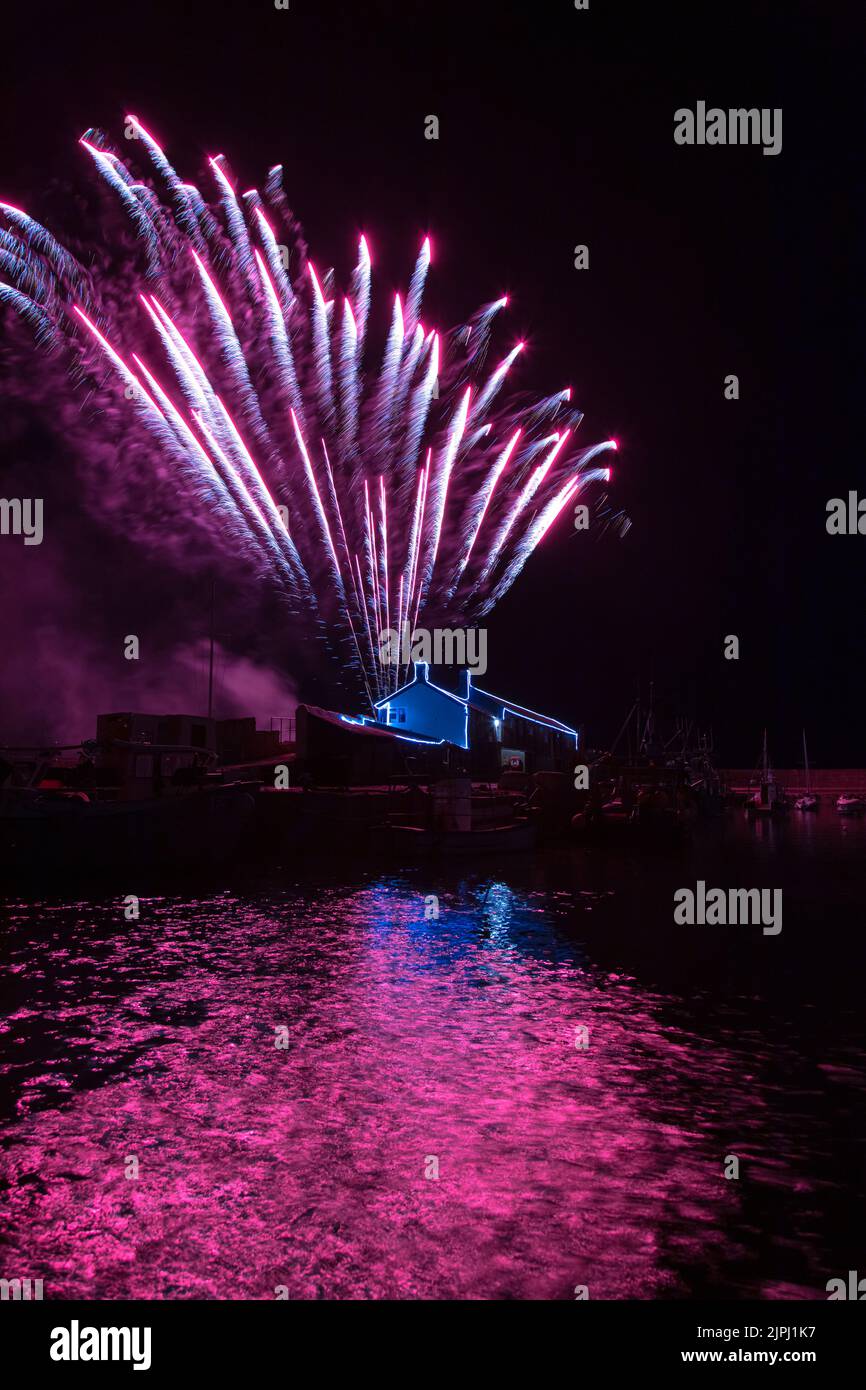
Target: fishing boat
{"points": [[71, 831], [768, 798], [117, 804], [809, 801], [456, 819], [848, 805]]}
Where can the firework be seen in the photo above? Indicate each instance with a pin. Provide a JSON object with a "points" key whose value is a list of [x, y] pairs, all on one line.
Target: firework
{"points": [[370, 491]]}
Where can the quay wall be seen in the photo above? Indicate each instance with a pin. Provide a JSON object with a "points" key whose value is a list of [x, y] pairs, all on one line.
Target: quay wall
{"points": [[832, 780]]}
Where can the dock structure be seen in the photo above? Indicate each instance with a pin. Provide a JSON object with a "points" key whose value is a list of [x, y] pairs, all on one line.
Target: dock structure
{"points": [[829, 781]]}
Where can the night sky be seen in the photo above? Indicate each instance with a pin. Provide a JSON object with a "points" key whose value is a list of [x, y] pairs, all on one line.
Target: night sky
{"points": [[556, 129]]}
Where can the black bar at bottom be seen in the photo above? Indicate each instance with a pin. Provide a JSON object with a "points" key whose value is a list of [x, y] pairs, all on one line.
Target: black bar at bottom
{"points": [[231, 1338]]}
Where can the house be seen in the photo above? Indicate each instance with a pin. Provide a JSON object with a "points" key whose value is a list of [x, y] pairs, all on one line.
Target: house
{"points": [[499, 734]]}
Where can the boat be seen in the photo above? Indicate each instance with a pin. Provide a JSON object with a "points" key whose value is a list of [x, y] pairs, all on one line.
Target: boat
{"points": [[679, 768], [659, 827], [809, 801], [848, 805], [454, 818], [494, 839], [70, 810], [768, 798], [641, 813]]}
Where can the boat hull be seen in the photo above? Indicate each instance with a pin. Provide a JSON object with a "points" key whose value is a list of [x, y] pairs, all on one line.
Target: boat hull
{"points": [[659, 829], [413, 839]]}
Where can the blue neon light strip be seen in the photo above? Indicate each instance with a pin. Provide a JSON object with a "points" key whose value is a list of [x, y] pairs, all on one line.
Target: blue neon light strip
{"points": [[375, 724]]}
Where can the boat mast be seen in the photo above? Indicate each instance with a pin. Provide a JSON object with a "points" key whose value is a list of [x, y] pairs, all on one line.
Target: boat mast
{"points": [[806, 765]]}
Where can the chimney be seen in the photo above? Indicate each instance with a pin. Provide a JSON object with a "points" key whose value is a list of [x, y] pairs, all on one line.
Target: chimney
{"points": [[464, 679], [421, 671]]}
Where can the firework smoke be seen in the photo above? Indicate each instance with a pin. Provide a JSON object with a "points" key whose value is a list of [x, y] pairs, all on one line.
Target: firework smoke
{"points": [[368, 492]]}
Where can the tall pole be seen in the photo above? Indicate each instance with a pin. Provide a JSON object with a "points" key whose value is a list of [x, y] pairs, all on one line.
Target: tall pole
{"points": [[210, 662], [806, 763]]}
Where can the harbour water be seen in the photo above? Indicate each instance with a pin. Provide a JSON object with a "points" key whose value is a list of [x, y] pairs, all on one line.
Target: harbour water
{"points": [[326, 1093]]}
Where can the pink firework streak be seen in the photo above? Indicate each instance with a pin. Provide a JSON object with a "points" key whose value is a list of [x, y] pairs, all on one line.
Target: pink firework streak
{"points": [[415, 487]]}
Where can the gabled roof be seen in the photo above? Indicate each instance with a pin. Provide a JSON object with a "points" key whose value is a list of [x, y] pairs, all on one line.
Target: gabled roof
{"points": [[482, 701], [389, 699], [492, 704]]}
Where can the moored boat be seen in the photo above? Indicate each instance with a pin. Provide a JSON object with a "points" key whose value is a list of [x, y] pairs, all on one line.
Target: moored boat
{"points": [[118, 804], [809, 801], [67, 830], [768, 798]]}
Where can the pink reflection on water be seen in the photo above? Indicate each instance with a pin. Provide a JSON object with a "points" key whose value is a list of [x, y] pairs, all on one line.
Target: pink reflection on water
{"points": [[304, 1167]]}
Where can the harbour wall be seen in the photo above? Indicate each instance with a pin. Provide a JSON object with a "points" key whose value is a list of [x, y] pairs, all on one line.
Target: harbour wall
{"points": [[830, 780]]}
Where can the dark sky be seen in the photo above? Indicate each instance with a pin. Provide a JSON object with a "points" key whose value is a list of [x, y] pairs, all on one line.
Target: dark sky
{"points": [[556, 128]]}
